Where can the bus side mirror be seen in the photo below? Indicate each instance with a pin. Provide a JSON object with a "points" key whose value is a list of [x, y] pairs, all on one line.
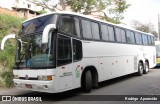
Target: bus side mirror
{"points": [[46, 32], [5, 38]]}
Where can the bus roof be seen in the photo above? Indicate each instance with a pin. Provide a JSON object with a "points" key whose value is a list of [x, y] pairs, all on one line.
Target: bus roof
{"points": [[89, 17]]}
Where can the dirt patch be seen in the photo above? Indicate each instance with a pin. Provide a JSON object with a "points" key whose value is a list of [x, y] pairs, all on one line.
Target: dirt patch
{"points": [[8, 12]]}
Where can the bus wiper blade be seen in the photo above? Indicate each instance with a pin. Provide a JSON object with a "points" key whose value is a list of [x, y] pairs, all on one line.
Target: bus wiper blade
{"points": [[20, 61]]}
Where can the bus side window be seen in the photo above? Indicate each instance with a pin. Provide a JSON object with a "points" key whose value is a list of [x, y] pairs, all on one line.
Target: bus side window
{"points": [[77, 50], [152, 41], [149, 40], [86, 29], [145, 40], [123, 36], [111, 33], [64, 50], [95, 30], [130, 37], [120, 35], [105, 33], [70, 25], [138, 38]]}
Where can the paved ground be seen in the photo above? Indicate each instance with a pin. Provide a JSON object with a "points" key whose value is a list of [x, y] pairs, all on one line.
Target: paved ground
{"points": [[148, 84]]}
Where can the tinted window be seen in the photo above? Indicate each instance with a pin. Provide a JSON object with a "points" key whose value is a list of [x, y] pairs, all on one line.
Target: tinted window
{"points": [[120, 35], [95, 30], [149, 40], [111, 33], [77, 50], [130, 37], [152, 40], [70, 25], [138, 37], [38, 24], [64, 50], [123, 35], [105, 33], [145, 39], [86, 29]]}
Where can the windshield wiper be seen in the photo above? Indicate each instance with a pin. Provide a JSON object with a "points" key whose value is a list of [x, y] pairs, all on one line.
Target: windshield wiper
{"points": [[20, 61]]}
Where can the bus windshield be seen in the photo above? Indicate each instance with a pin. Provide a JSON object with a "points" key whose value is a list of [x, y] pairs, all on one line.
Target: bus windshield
{"points": [[31, 52]]}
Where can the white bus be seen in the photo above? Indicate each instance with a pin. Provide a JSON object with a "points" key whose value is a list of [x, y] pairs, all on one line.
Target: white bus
{"points": [[61, 51]]}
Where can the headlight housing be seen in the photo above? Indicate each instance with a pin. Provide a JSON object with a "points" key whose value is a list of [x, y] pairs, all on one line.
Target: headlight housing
{"points": [[45, 78]]}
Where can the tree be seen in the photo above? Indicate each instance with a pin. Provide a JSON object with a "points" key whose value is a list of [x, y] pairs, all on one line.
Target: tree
{"points": [[145, 27], [108, 7]]}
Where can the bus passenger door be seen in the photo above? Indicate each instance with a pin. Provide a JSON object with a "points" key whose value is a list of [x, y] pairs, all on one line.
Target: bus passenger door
{"points": [[64, 62], [77, 65]]}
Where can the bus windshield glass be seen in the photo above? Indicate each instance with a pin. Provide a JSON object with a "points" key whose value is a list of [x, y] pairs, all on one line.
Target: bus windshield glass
{"points": [[31, 52]]}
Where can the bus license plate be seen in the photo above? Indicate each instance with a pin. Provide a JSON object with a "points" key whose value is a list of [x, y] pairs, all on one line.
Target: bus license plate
{"points": [[28, 85]]}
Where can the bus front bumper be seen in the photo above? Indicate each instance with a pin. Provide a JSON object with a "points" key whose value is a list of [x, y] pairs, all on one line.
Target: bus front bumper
{"points": [[36, 85]]}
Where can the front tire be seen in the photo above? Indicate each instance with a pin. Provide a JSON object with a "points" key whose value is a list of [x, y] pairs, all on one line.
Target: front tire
{"points": [[87, 81], [140, 69], [95, 81]]}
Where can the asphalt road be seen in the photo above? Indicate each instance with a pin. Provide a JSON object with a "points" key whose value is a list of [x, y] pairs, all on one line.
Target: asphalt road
{"points": [[148, 84]]}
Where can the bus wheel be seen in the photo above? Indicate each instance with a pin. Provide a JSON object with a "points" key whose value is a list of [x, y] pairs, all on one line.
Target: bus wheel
{"points": [[95, 81], [140, 69], [87, 85], [146, 68]]}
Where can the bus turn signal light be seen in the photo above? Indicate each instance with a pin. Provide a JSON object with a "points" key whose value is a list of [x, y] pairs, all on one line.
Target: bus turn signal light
{"points": [[49, 77]]}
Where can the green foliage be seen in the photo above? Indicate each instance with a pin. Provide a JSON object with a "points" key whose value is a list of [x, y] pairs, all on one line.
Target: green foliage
{"points": [[7, 78], [11, 22], [86, 6], [117, 8], [113, 7], [8, 25]]}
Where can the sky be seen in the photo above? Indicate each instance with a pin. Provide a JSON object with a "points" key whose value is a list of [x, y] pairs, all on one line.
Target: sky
{"points": [[142, 10]]}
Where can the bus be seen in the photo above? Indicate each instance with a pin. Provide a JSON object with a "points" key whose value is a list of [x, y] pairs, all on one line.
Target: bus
{"points": [[61, 51], [157, 43]]}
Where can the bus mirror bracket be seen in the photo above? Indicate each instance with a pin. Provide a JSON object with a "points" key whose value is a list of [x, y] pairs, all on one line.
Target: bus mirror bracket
{"points": [[5, 39], [46, 32]]}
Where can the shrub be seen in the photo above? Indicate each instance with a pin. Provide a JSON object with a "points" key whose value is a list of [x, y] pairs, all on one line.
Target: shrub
{"points": [[8, 25], [7, 78]]}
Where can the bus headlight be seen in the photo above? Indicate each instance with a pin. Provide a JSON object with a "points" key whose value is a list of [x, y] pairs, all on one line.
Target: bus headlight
{"points": [[46, 78], [16, 77]]}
